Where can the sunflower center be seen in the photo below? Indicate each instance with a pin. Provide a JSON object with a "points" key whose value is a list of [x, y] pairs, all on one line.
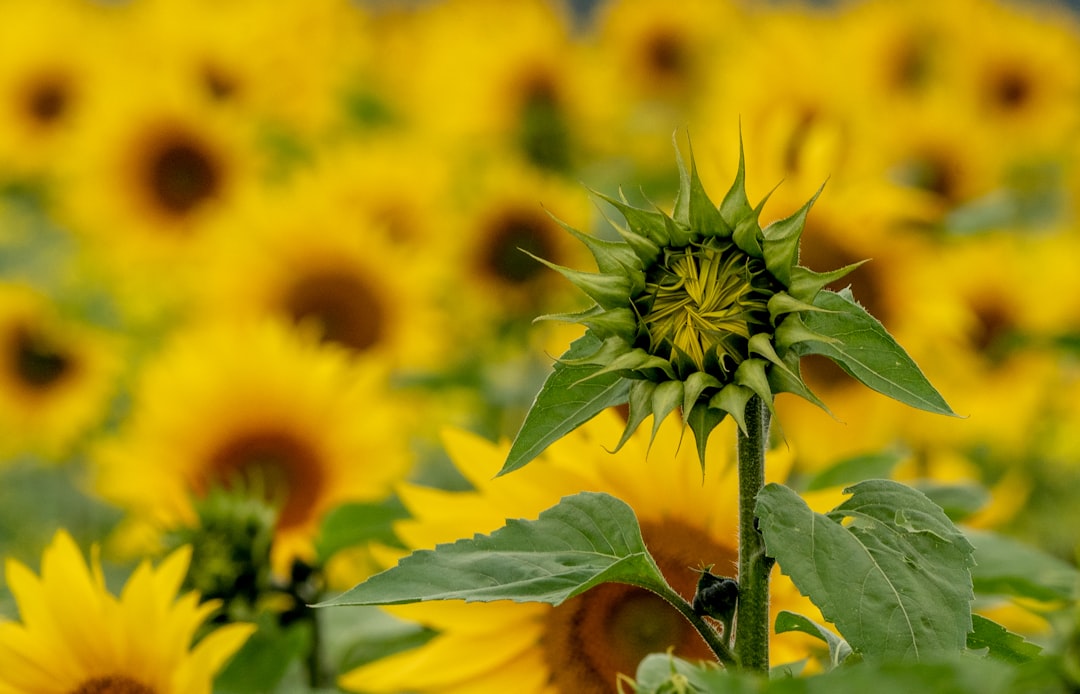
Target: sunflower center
{"points": [[543, 134], [508, 235], [112, 684], [47, 99], [35, 362], [665, 57], [181, 174], [345, 307], [1010, 89], [277, 466], [609, 629], [702, 304]]}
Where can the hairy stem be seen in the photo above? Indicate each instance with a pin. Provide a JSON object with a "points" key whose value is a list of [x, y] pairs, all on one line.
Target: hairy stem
{"points": [[716, 642], [752, 615]]}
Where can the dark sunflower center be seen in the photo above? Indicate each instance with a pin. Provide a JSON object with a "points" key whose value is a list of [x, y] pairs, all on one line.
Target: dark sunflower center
{"points": [[1011, 89], [35, 361], [181, 174], [911, 63], [345, 307], [47, 99], [702, 304], [218, 83], [665, 56], [508, 235], [608, 630], [996, 323], [935, 173], [277, 466], [112, 684]]}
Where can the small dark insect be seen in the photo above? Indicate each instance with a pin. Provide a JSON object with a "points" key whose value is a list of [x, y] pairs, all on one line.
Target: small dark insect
{"points": [[716, 596]]}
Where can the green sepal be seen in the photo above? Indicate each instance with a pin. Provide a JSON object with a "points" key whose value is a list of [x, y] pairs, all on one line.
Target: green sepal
{"points": [[667, 396], [782, 302], [647, 223], [678, 234], [805, 283], [732, 399], [702, 420], [634, 363], [752, 374], [782, 241], [761, 344], [621, 322], [641, 392], [610, 291], [694, 385], [790, 380], [693, 207], [611, 257], [643, 247], [793, 330], [605, 351], [736, 206]]}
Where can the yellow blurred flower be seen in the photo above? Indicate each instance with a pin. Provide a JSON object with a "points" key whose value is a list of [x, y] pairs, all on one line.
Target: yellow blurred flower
{"points": [[305, 257], [579, 646], [74, 636], [49, 71], [57, 374], [258, 408]]}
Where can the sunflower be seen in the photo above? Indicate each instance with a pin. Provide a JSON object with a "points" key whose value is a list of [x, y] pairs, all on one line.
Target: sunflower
{"points": [[240, 57], [502, 218], [57, 374], [256, 407], [305, 256], [75, 637], [521, 89], [48, 74], [583, 644], [146, 176]]}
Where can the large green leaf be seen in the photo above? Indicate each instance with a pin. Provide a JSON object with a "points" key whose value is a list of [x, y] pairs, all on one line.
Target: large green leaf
{"points": [[585, 540], [867, 352], [570, 396], [839, 649], [1005, 566], [887, 567]]}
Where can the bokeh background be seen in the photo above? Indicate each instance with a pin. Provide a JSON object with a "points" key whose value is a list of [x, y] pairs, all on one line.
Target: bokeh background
{"points": [[278, 245]]}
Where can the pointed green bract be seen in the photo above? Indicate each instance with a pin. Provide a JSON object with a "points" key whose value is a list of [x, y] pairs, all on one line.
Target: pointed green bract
{"points": [[710, 309], [559, 408]]}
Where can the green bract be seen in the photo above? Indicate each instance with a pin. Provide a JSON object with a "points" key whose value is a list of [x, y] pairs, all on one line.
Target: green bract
{"points": [[704, 309]]}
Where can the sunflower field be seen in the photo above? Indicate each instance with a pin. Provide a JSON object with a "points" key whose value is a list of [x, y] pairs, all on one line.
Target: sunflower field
{"points": [[269, 281]]}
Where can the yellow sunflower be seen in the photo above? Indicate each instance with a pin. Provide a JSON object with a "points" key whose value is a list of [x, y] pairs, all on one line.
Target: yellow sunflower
{"points": [[257, 407], [74, 637], [582, 645], [241, 55], [502, 217], [303, 255], [49, 70], [57, 374], [146, 176]]}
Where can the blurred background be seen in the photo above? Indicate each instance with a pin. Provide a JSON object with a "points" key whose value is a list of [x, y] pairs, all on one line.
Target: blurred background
{"points": [[276, 247]]}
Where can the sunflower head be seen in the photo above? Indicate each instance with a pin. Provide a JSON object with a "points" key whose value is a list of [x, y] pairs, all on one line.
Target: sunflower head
{"points": [[701, 308]]}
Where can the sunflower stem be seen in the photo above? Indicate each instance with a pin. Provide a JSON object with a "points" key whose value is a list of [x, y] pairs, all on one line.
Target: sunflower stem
{"points": [[716, 642], [752, 613]]}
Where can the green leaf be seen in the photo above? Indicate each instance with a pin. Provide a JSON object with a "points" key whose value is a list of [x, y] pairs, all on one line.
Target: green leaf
{"points": [[839, 649], [867, 352], [358, 523], [585, 540], [1005, 566], [1001, 643], [570, 396], [887, 567]]}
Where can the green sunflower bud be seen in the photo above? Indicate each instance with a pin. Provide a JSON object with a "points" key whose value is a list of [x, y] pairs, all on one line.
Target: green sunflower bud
{"points": [[703, 309]]}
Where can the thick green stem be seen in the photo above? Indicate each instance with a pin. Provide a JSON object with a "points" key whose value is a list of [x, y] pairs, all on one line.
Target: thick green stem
{"points": [[752, 616]]}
